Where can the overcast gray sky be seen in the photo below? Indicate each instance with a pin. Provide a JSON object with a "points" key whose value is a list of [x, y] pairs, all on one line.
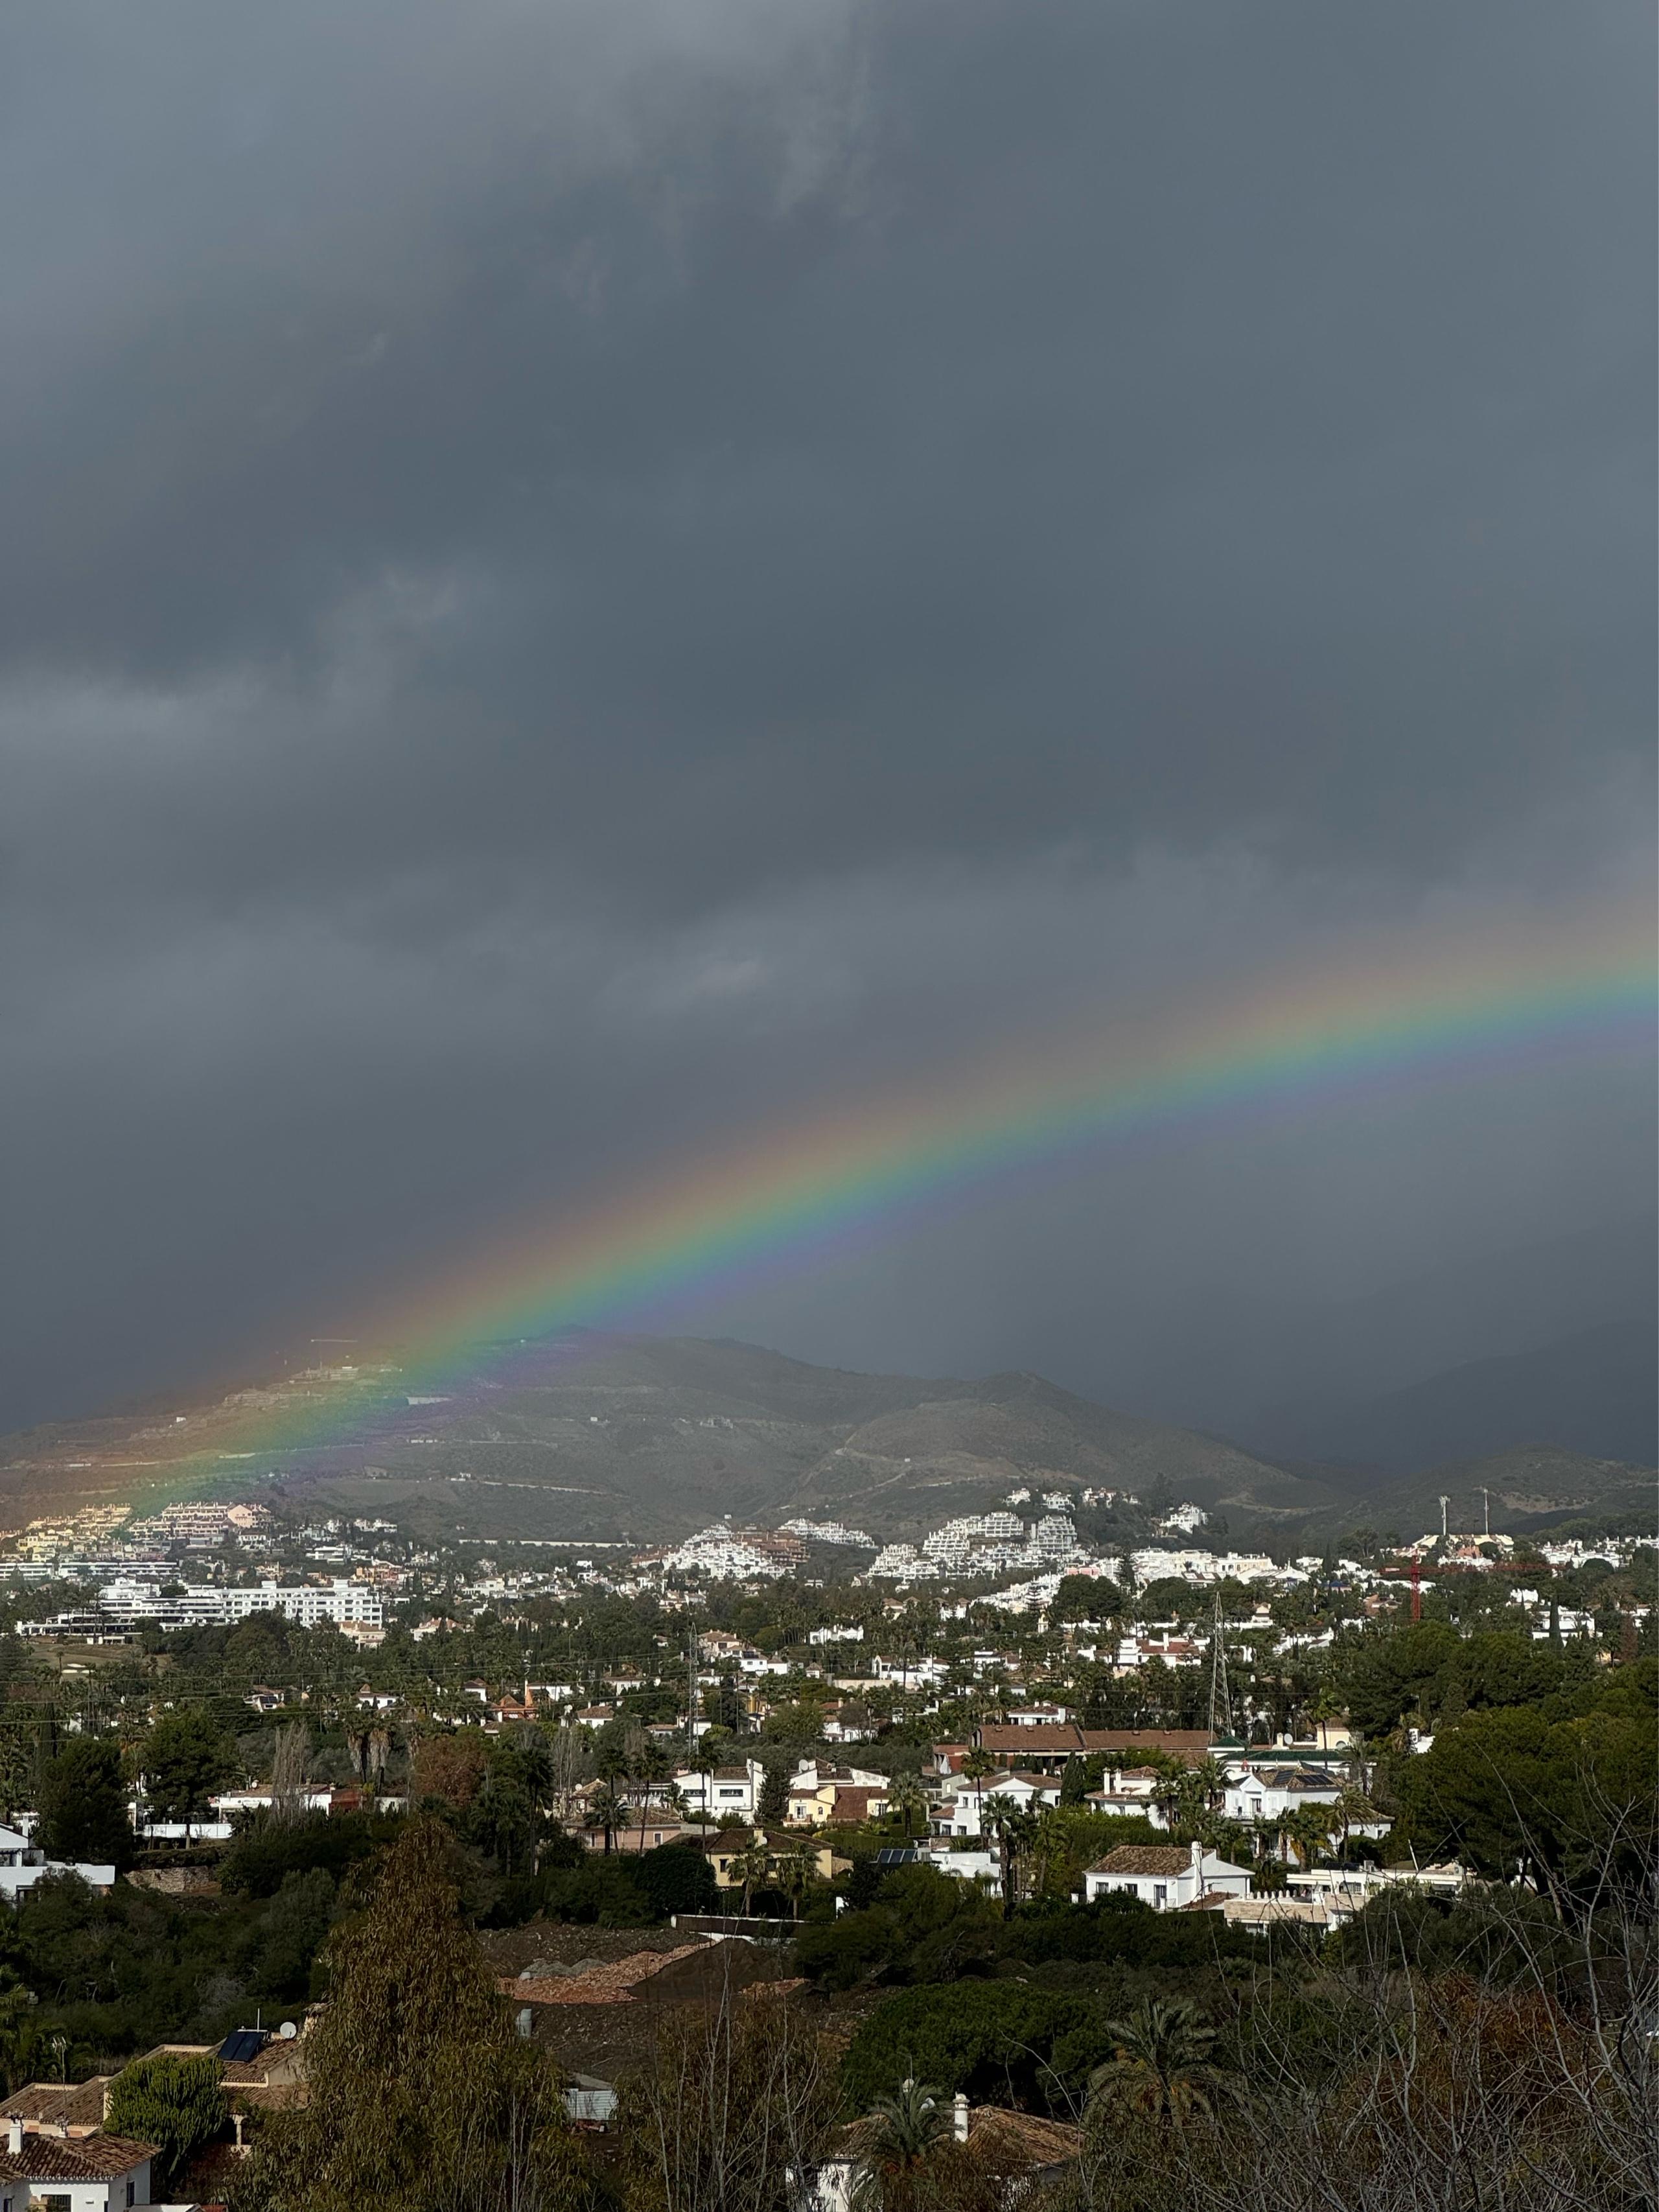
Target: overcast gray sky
{"points": [[579, 577]]}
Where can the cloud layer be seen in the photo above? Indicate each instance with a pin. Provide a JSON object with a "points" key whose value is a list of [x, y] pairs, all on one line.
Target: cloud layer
{"points": [[581, 575]]}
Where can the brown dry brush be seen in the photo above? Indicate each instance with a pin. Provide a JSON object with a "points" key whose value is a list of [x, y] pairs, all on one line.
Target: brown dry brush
{"points": [[1523, 2077], [734, 2101]]}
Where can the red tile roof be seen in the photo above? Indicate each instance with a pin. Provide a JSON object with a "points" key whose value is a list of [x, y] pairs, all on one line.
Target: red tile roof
{"points": [[74, 2158], [618, 1982], [1144, 1858], [77, 2106]]}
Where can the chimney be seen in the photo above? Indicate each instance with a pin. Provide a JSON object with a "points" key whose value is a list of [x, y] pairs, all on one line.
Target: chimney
{"points": [[959, 2117], [15, 2136], [1198, 1867]]}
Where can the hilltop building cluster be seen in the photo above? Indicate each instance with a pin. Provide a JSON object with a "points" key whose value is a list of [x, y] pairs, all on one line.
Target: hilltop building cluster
{"points": [[982, 1543]]}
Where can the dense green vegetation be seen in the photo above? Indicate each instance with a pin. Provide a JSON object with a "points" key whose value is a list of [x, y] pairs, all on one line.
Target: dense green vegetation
{"points": [[1543, 1764]]}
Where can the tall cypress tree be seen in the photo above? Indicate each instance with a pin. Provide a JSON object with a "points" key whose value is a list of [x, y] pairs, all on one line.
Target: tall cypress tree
{"points": [[421, 2097]]}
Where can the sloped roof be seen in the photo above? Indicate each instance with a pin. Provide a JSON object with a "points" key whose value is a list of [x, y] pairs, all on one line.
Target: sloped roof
{"points": [[1047, 1735], [74, 2158], [1144, 1858], [282, 2061], [1193, 1745], [1265, 1911], [55, 2103], [617, 1982], [1016, 2141], [1022, 2137]]}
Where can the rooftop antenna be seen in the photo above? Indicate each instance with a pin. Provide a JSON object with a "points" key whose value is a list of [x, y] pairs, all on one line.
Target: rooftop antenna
{"points": [[1221, 1704], [1444, 1503]]}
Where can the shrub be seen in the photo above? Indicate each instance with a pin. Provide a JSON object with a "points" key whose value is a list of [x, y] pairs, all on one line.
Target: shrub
{"points": [[177, 2103]]}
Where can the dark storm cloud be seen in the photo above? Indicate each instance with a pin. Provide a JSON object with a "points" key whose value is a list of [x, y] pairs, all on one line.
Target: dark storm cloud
{"points": [[577, 571]]}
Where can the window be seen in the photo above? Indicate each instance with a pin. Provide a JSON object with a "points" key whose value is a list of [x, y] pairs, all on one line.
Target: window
{"points": [[55, 2203]]}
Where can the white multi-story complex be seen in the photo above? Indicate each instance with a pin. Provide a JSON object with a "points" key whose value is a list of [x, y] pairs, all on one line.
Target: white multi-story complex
{"points": [[901, 1563], [828, 1531], [1182, 1521], [726, 1556], [305, 1603]]}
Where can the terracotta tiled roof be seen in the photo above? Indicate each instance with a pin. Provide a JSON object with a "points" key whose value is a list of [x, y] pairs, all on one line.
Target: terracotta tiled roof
{"points": [[1049, 1736], [78, 2106], [1015, 2142], [1144, 1858], [618, 1982], [279, 2066], [1023, 2136], [75, 2157], [1193, 1745]]}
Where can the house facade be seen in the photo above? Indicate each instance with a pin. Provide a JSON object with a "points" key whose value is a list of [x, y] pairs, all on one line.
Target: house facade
{"points": [[93, 2173], [1165, 1876]]}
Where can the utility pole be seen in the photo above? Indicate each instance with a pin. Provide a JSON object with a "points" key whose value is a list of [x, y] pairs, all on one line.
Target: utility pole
{"points": [[1444, 1503], [1221, 1704]]}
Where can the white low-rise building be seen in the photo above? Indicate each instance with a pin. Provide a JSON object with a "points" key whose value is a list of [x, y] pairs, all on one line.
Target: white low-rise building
{"points": [[970, 1810], [21, 1865], [725, 1790], [1166, 1876], [88, 2172], [1264, 1790], [1130, 1793]]}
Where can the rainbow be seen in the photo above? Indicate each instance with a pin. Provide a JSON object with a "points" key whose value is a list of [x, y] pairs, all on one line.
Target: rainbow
{"points": [[1417, 1010]]}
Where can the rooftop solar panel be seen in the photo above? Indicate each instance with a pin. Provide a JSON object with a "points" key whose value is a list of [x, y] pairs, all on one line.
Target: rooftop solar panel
{"points": [[243, 2044]]}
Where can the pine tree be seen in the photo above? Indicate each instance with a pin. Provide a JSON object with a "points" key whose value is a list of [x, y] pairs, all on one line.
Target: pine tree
{"points": [[421, 2099]]}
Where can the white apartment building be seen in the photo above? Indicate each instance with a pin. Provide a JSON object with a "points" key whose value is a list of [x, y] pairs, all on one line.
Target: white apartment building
{"points": [[305, 1603], [727, 1790]]}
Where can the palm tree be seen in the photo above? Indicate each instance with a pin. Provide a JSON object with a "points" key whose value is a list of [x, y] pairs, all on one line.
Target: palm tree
{"points": [[1012, 1826], [901, 2131], [1306, 1828], [906, 1799], [1170, 1794], [1353, 1805], [1210, 1777], [792, 1871], [605, 1810], [1162, 2066], [752, 1869], [974, 1768], [655, 1768]]}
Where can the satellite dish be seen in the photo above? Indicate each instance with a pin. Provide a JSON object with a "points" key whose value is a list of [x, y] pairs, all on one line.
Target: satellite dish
{"points": [[287, 2030]]}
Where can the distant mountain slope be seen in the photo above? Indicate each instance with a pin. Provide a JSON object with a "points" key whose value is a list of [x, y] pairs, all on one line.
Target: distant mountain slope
{"points": [[1528, 1489], [964, 1440], [642, 1437], [1593, 1392]]}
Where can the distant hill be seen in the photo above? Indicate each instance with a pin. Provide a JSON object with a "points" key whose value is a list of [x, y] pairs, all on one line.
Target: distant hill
{"points": [[649, 1437], [1594, 1392], [1532, 1489]]}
